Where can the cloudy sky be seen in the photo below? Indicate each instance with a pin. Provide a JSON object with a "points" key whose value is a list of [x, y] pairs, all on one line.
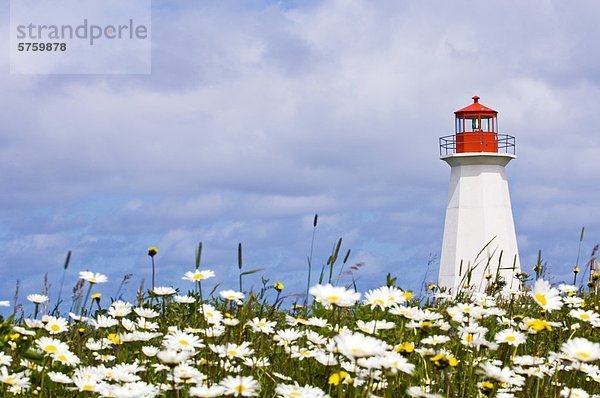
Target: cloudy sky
{"points": [[259, 114]]}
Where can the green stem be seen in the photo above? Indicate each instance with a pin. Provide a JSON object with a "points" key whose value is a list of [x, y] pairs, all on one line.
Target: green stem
{"points": [[152, 272]]}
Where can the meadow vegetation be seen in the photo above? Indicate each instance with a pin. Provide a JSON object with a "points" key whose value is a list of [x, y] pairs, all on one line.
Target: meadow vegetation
{"points": [[531, 340]]}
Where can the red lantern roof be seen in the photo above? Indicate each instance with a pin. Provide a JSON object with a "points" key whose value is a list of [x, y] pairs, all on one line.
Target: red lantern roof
{"points": [[476, 109]]}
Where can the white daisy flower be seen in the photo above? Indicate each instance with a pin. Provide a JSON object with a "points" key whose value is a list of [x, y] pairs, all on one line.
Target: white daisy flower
{"points": [[329, 295], [547, 297], [59, 377], [164, 291], [357, 345], [384, 297], [588, 316], [55, 325], [581, 349], [510, 337], [197, 276], [207, 391], [148, 313], [38, 298], [573, 393], [240, 386], [232, 295], [92, 277]]}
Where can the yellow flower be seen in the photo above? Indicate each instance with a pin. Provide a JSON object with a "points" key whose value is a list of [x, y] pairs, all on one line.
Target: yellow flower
{"points": [[486, 387], [538, 325], [405, 348], [408, 295], [152, 251], [278, 286], [96, 296], [443, 360], [114, 338], [339, 377]]}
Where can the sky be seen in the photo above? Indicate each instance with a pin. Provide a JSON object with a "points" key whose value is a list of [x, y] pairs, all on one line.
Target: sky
{"points": [[258, 115]]}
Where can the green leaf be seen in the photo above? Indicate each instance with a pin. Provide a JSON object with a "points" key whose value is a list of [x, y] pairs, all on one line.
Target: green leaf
{"points": [[33, 356], [253, 271]]}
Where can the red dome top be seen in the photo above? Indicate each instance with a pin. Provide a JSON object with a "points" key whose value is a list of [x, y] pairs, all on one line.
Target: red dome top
{"points": [[476, 109]]}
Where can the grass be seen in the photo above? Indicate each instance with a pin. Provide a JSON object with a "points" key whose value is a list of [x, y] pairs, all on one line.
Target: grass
{"points": [[535, 341]]}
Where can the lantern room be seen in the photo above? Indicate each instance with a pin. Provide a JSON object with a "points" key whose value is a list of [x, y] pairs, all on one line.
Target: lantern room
{"points": [[476, 128]]}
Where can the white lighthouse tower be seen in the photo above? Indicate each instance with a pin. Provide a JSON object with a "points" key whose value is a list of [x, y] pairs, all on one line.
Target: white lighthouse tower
{"points": [[479, 243]]}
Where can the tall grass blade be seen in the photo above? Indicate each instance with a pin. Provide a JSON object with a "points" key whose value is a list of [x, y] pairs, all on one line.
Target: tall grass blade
{"points": [[198, 255]]}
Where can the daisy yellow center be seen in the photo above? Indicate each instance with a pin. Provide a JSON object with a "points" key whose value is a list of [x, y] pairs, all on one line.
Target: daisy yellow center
{"points": [[198, 277], [183, 342], [378, 301], [92, 280], [541, 299], [583, 355], [9, 380], [295, 394], [50, 348], [232, 352], [584, 316], [510, 338], [333, 299], [469, 338], [261, 324], [88, 387], [62, 358], [55, 327], [240, 388], [231, 297]]}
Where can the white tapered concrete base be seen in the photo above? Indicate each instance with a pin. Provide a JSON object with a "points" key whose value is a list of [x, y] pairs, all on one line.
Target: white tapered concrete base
{"points": [[478, 214]]}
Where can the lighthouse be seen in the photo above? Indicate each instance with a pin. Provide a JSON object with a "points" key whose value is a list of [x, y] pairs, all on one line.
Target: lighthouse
{"points": [[480, 244]]}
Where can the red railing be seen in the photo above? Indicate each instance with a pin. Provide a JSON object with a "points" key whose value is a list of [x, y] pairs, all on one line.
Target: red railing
{"points": [[477, 142]]}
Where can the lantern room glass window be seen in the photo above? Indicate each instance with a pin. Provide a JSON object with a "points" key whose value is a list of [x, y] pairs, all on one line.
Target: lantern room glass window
{"points": [[469, 124]]}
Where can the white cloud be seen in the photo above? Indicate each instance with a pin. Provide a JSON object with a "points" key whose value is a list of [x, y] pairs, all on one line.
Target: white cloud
{"points": [[256, 118]]}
